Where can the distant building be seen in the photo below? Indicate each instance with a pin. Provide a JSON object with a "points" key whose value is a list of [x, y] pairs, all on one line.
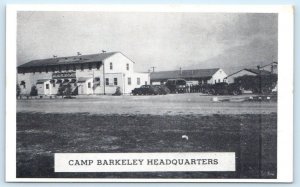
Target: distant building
{"points": [[254, 72], [272, 67], [196, 76], [90, 74]]}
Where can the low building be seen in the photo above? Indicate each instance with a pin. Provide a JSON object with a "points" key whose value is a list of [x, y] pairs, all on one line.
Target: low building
{"points": [[272, 67], [90, 74], [196, 76], [252, 72]]}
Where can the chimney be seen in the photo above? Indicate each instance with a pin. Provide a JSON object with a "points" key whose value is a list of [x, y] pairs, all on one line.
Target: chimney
{"points": [[54, 56], [78, 53], [103, 51], [258, 67], [180, 71]]}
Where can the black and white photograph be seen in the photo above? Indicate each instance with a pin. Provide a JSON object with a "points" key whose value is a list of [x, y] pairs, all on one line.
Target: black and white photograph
{"points": [[161, 94]]}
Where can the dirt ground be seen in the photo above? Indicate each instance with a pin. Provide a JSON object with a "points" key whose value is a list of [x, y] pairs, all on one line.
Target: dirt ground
{"points": [[172, 104], [147, 124]]}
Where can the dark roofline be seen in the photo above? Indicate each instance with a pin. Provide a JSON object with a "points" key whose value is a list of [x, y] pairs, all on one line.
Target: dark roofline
{"points": [[68, 57], [247, 69], [269, 64], [186, 70]]}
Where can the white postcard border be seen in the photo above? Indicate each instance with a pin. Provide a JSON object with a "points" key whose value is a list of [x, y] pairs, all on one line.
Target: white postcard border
{"points": [[285, 82]]}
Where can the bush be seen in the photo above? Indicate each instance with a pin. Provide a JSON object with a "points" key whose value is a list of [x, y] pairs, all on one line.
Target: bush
{"points": [[33, 91], [118, 91]]}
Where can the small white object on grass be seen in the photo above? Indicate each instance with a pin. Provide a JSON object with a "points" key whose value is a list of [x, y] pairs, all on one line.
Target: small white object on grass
{"points": [[215, 99], [185, 137], [251, 98], [268, 98]]}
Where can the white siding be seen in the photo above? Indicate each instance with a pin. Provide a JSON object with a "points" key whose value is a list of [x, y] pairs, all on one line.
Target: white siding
{"points": [[219, 76]]}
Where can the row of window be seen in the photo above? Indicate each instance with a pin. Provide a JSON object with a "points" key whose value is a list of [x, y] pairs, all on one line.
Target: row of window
{"points": [[138, 81], [72, 67], [97, 79], [60, 67], [111, 66]]}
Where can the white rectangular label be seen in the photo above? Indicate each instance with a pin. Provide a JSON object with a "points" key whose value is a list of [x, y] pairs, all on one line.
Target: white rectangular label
{"points": [[144, 162]]}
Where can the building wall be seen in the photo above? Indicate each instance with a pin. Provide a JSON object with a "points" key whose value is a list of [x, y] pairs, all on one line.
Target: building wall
{"points": [[144, 79], [119, 63], [30, 79], [219, 76], [230, 79], [84, 89], [119, 70]]}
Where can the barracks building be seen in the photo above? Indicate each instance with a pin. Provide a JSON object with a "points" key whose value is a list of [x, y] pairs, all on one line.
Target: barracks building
{"points": [[194, 77], [90, 74]]}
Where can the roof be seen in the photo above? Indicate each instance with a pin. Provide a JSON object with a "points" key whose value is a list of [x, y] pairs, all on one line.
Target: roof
{"points": [[255, 71], [69, 60], [83, 79], [273, 63], [40, 81], [258, 72], [197, 73]]}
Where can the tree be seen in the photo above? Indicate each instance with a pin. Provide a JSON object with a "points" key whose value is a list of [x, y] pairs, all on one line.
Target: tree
{"points": [[33, 91]]}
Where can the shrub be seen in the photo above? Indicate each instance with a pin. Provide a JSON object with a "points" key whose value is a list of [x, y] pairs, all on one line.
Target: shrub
{"points": [[33, 91]]}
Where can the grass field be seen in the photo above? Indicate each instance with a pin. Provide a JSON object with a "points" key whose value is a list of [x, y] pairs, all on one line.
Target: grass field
{"points": [[40, 135]]}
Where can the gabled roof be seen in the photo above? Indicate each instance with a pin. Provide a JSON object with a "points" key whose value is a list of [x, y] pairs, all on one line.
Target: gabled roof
{"points": [[197, 73], [255, 71], [69, 60], [258, 72]]}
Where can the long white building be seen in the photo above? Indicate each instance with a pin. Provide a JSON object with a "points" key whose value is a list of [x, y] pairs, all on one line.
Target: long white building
{"points": [[99, 73]]}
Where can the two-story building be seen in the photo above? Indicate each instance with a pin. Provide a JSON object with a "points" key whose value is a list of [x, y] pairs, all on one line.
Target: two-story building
{"points": [[90, 74]]}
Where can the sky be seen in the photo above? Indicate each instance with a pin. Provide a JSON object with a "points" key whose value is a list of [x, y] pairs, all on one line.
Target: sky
{"points": [[167, 41]]}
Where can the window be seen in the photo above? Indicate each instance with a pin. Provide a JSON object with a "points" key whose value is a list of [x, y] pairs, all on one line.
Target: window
{"points": [[97, 79], [146, 82], [53, 84], [138, 81], [129, 80], [115, 81], [127, 67], [219, 80], [90, 66], [81, 67], [89, 85], [106, 81], [215, 81], [74, 67], [47, 86], [110, 66], [23, 84], [98, 65]]}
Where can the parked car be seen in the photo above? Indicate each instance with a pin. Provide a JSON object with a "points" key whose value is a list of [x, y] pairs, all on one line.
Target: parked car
{"points": [[162, 89], [145, 90], [176, 85], [224, 88]]}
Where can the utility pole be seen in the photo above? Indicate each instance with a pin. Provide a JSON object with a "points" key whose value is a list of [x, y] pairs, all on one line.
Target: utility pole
{"points": [[153, 68]]}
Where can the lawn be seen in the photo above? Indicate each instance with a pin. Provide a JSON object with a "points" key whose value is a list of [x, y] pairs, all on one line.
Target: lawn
{"points": [[40, 135]]}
